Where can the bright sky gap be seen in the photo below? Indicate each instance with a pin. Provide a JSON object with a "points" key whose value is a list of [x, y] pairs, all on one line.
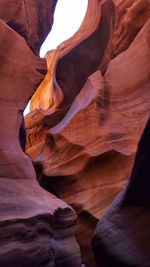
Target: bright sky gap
{"points": [[68, 17]]}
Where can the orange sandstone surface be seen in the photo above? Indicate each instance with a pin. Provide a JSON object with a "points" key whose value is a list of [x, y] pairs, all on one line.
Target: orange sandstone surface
{"points": [[88, 201], [89, 112], [36, 228]]}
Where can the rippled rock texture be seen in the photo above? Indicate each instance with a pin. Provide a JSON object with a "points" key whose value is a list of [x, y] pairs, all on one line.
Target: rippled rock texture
{"points": [[36, 228], [121, 234], [88, 114], [86, 118]]}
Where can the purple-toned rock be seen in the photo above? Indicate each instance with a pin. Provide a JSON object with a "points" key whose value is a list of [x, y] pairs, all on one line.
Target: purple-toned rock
{"points": [[36, 228], [32, 19], [121, 236]]}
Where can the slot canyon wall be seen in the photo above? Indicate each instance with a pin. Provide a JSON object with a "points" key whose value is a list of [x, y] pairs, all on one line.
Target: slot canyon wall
{"points": [[83, 131], [36, 228], [91, 201]]}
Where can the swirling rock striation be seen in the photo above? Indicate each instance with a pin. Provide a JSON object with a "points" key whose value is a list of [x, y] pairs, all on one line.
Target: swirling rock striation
{"points": [[84, 134], [36, 228], [121, 235]]}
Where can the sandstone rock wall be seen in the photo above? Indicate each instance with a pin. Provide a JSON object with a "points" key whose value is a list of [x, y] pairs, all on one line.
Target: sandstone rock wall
{"points": [[86, 119], [31, 19], [84, 136], [36, 228], [121, 235]]}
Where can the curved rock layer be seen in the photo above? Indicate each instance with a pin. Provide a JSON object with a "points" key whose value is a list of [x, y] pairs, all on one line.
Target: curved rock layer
{"points": [[121, 234], [31, 19], [36, 228], [49, 94], [97, 103]]}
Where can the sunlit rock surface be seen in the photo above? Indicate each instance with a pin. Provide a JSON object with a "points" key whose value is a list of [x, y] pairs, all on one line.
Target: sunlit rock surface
{"points": [[88, 114], [82, 134], [36, 228]]}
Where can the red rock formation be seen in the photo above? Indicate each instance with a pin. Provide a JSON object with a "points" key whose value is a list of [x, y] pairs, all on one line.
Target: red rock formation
{"points": [[36, 228], [121, 237], [80, 150], [83, 143], [31, 19]]}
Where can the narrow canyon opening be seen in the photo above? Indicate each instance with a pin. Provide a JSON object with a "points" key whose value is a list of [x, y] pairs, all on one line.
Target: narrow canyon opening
{"points": [[68, 17], [79, 195]]}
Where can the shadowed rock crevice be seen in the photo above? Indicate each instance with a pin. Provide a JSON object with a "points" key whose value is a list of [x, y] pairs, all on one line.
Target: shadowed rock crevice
{"points": [[121, 234], [31, 19], [137, 192], [83, 60]]}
